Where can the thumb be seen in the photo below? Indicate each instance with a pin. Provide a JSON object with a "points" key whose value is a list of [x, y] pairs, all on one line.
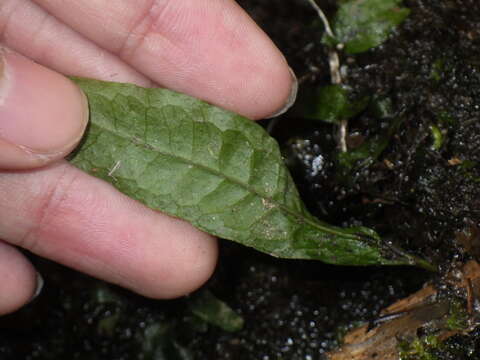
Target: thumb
{"points": [[42, 113]]}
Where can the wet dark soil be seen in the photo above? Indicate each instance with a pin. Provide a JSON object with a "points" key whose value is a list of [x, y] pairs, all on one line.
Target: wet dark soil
{"points": [[420, 194], [425, 77]]}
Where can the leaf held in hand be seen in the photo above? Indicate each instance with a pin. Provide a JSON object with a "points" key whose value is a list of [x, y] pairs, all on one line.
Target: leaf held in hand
{"points": [[219, 171], [364, 24]]}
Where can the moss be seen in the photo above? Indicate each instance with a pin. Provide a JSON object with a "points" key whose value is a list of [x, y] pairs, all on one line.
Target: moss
{"points": [[419, 349], [458, 317]]}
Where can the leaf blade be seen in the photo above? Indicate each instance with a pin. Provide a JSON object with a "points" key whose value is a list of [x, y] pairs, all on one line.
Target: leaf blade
{"points": [[331, 104], [364, 24], [219, 171]]}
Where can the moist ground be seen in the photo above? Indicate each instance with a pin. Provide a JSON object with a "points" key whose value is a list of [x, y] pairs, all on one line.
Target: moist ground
{"points": [[419, 193]]}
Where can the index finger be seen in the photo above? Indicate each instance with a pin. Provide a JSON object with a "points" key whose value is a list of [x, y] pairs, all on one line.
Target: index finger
{"points": [[209, 49]]}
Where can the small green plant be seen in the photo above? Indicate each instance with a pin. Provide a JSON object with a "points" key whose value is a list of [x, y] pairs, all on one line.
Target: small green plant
{"points": [[358, 26]]}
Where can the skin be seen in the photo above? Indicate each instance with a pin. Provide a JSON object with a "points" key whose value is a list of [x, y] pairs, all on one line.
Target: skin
{"points": [[206, 48]]}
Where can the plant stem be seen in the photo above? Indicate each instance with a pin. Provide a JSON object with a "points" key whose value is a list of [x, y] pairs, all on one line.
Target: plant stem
{"points": [[342, 136], [322, 16], [336, 77], [424, 264], [413, 259]]}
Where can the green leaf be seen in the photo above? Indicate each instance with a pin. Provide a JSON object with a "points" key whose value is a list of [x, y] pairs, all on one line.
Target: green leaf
{"points": [[219, 171], [158, 343], [364, 24], [381, 107], [331, 104], [369, 151], [214, 311]]}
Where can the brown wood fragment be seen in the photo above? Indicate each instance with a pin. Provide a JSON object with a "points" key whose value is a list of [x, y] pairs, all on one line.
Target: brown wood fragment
{"points": [[454, 161], [470, 297], [405, 317]]}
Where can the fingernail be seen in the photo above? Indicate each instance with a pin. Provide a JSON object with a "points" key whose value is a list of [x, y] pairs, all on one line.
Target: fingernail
{"points": [[38, 289], [291, 98], [42, 113]]}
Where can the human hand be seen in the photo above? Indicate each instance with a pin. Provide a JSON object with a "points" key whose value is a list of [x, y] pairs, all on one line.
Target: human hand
{"points": [[206, 48]]}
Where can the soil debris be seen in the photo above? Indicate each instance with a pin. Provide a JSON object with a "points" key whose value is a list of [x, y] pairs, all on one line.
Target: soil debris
{"points": [[422, 314]]}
